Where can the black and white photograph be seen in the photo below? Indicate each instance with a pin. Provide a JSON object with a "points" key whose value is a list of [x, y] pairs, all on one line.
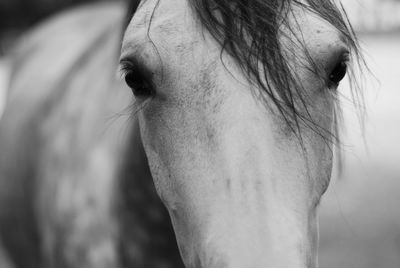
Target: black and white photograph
{"points": [[199, 134]]}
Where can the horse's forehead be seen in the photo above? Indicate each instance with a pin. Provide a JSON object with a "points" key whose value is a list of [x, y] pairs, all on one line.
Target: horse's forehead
{"points": [[160, 21], [168, 15], [173, 21], [168, 30]]}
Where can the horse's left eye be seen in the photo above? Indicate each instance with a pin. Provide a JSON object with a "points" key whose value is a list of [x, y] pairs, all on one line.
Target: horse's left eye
{"points": [[338, 73]]}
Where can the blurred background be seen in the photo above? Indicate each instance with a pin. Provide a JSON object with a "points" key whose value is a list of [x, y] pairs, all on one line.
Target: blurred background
{"points": [[360, 213], [16, 16]]}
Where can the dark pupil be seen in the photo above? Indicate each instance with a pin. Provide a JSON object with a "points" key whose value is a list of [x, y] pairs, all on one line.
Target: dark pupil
{"points": [[139, 85], [339, 72]]}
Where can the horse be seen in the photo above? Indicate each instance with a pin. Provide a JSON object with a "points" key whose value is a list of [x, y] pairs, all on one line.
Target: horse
{"points": [[173, 133]]}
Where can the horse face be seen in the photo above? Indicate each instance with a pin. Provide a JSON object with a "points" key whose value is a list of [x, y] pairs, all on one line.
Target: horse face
{"points": [[241, 189]]}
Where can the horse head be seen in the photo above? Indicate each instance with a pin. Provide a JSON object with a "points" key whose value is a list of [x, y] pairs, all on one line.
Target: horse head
{"points": [[237, 103]]}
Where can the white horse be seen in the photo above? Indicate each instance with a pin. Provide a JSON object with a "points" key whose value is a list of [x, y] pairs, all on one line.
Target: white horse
{"points": [[234, 103]]}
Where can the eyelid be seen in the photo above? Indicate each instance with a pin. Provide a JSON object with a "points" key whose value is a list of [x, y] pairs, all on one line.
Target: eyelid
{"points": [[340, 55], [125, 67], [345, 56], [133, 65]]}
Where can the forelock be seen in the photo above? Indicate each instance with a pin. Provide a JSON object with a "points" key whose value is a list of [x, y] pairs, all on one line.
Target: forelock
{"points": [[250, 31]]}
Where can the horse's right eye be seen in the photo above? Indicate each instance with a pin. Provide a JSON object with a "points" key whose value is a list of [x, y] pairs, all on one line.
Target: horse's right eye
{"points": [[139, 84], [138, 78]]}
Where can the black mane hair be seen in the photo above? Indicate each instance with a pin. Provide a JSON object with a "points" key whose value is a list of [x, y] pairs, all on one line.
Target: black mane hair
{"points": [[250, 31]]}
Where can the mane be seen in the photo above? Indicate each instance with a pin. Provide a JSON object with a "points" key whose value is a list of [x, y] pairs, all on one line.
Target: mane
{"points": [[251, 30]]}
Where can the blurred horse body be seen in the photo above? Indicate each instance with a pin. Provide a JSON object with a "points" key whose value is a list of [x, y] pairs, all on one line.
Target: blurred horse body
{"points": [[4, 76], [64, 186]]}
